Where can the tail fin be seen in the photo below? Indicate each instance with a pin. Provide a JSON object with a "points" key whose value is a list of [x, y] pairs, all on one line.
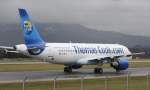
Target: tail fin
{"points": [[31, 36]]}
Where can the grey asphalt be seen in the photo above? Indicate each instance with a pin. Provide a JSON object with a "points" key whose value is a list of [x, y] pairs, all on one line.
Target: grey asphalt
{"points": [[41, 75]]}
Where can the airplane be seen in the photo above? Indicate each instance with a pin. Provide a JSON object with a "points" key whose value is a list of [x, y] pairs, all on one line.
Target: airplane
{"points": [[71, 55]]}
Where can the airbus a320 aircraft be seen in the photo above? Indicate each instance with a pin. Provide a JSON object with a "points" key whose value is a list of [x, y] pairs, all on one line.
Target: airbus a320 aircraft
{"points": [[72, 55]]}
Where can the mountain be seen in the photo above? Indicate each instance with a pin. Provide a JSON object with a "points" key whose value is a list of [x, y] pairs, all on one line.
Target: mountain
{"points": [[11, 34]]}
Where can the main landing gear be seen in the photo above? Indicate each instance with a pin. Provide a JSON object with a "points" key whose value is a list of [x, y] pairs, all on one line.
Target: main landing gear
{"points": [[68, 69], [98, 70]]}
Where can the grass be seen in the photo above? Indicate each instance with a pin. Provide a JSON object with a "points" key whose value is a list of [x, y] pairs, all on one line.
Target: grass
{"points": [[29, 67], [51, 67], [7, 60], [119, 83]]}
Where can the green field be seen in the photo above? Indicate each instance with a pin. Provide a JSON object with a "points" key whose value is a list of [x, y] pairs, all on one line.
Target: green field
{"points": [[119, 83], [44, 67]]}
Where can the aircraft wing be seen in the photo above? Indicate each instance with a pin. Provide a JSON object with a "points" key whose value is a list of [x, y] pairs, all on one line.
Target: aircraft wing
{"points": [[8, 49], [104, 59], [141, 53], [4, 47]]}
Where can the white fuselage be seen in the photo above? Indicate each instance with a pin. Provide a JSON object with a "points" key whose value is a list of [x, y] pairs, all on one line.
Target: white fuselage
{"points": [[70, 53]]}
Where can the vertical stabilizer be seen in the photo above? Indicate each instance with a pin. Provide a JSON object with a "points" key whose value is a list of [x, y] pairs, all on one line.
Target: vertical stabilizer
{"points": [[31, 36]]}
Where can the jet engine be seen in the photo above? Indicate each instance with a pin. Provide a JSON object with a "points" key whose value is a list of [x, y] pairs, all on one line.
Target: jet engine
{"points": [[120, 64]]}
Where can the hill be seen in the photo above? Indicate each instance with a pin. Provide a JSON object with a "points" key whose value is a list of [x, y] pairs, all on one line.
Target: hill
{"points": [[11, 34]]}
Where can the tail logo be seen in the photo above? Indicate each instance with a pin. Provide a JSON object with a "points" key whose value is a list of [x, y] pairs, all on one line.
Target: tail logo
{"points": [[28, 25]]}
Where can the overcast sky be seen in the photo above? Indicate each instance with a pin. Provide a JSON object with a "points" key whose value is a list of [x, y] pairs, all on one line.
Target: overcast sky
{"points": [[126, 16]]}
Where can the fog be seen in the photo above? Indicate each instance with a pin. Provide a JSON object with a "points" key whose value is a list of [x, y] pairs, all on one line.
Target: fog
{"points": [[125, 16]]}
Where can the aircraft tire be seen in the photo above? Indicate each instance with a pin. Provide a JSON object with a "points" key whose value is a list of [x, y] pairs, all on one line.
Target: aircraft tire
{"points": [[67, 69], [98, 70]]}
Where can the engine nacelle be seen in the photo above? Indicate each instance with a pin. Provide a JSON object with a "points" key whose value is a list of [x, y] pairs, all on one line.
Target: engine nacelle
{"points": [[76, 66], [21, 48], [120, 64]]}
